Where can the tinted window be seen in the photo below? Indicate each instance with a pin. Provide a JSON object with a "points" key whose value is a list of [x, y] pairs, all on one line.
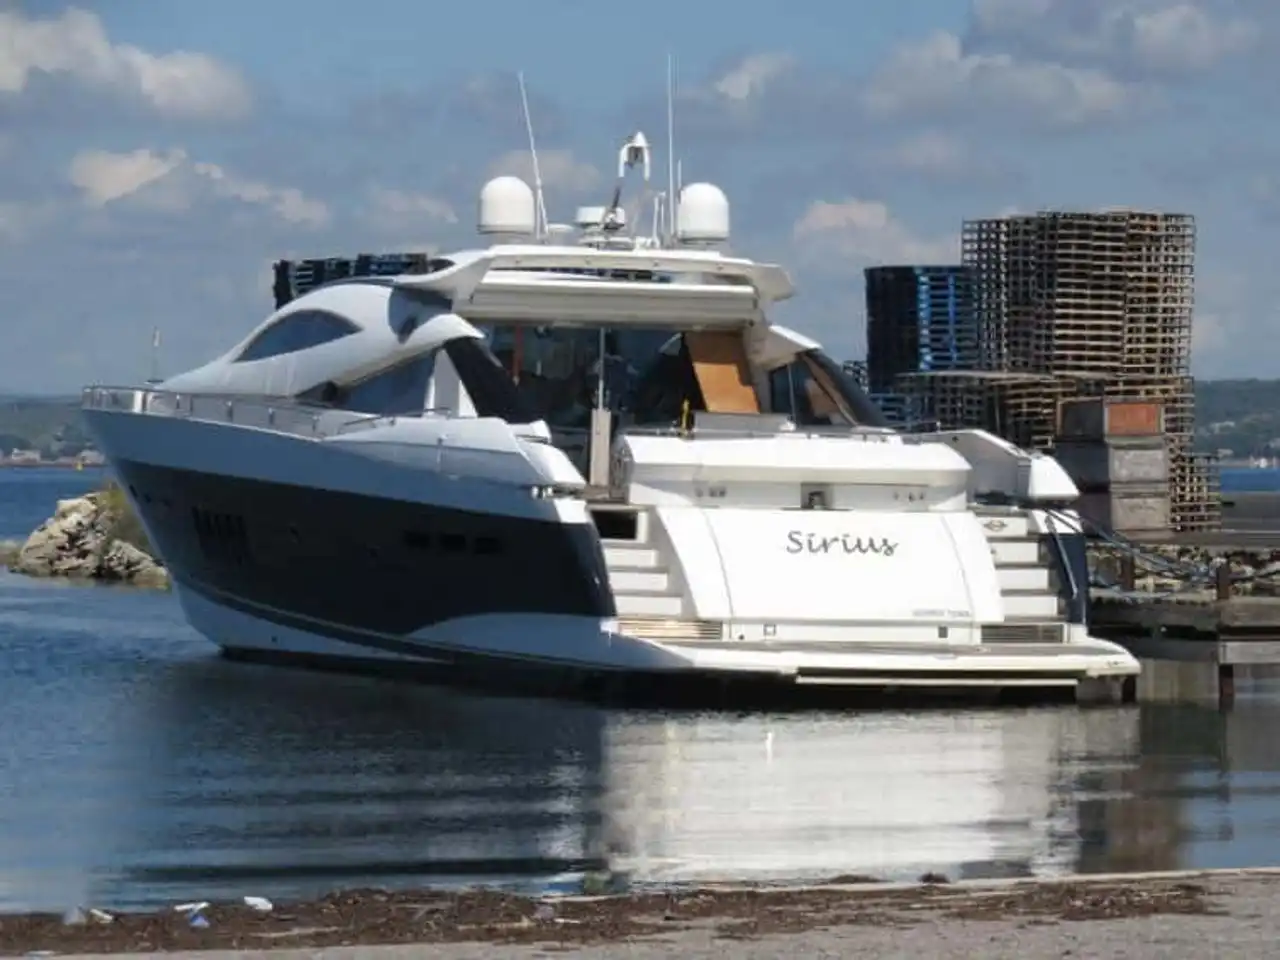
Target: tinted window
{"points": [[667, 384], [297, 331], [784, 392], [796, 392], [814, 391], [487, 383], [401, 389], [865, 413]]}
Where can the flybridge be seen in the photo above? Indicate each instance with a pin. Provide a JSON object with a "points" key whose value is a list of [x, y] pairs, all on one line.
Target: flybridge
{"points": [[567, 285], [529, 285], [599, 269]]}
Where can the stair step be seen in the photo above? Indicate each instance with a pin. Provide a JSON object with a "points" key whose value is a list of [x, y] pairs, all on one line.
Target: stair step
{"points": [[1029, 578], [1027, 606], [630, 557], [1015, 552], [639, 581], [653, 605]]}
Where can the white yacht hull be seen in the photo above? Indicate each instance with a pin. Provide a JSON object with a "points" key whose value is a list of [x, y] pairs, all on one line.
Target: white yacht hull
{"points": [[584, 648], [288, 549]]}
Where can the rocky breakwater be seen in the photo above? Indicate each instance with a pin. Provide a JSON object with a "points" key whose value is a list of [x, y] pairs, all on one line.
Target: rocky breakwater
{"points": [[94, 538]]}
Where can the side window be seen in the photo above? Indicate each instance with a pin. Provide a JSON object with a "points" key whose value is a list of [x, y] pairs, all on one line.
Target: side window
{"points": [[795, 391], [297, 331], [813, 391], [853, 399], [490, 387], [398, 390], [664, 387], [784, 392]]}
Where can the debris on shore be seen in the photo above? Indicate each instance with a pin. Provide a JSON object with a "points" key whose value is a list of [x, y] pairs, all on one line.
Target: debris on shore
{"points": [[370, 917], [95, 538]]}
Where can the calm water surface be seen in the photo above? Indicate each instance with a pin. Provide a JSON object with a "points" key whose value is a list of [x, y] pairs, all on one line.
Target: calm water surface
{"points": [[137, 768]]}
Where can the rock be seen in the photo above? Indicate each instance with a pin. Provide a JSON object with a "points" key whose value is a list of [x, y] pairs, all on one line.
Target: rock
{"points": [[9, 550], [122, 562], [80, 542]]}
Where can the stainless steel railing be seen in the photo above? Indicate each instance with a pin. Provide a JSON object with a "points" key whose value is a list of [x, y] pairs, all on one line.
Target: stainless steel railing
{"points": [[288, 415], [283, 414]]}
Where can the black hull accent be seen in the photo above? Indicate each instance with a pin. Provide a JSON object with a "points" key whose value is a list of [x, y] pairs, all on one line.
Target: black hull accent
{"points": [[1069, 559], [655, 691], [385, 566]]}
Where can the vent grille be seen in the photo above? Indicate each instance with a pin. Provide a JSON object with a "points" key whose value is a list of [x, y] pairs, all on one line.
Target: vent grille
{"points": [[1024, 633], [663, 628]]}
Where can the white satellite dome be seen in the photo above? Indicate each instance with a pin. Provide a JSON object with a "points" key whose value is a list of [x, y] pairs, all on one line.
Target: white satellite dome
{"points": [[703, 214], [507, 207]]}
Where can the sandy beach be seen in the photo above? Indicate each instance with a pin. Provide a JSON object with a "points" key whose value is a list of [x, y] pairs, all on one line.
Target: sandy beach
{"points": [[1167, 915]]}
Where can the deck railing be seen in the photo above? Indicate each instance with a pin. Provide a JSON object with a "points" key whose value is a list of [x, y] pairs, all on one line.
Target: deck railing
{"points": [[289, 415], [283, 414]]}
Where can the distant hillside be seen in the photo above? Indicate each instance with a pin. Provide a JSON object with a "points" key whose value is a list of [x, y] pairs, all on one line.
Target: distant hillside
{"points": [[1238, 417], [49, 424]]}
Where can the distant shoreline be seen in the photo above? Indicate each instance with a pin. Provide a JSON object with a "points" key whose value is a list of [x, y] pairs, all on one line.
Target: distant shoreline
{"points": [[56, 464]]}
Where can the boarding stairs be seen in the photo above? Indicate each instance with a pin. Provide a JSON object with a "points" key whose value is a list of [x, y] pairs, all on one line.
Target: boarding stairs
{"points": [[1029, 587], [647, 592]]}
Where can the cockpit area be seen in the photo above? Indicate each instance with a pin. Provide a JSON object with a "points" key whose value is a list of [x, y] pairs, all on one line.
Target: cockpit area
{"points": [[662, 378], [380, 349], [461, 377]]}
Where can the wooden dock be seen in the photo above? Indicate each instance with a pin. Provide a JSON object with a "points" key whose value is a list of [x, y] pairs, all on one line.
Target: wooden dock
{"points": [[1192, 648]]}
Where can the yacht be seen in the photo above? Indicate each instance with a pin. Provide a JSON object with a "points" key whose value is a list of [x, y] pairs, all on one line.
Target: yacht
{"points": [[586, 452]]}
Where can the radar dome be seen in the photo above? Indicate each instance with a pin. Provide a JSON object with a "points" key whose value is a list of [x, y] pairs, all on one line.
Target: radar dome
{"points": [[507, 207], [703, 214]]}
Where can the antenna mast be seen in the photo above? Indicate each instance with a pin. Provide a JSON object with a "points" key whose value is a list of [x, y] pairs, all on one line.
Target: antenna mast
{"points": [[155, 355], [540, 207], [672, 199]]}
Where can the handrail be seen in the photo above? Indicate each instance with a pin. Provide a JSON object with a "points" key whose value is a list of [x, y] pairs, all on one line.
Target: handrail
{"points": [[302, 417], [360, 423], [1064, 560], [865, 434], [285, 414]]}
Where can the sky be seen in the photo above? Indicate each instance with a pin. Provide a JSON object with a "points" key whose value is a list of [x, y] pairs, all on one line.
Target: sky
{"points": [[156, 158]]}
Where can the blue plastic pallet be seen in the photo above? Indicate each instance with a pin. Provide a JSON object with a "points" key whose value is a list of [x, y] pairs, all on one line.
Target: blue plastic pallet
{"points": [[293, 278]]}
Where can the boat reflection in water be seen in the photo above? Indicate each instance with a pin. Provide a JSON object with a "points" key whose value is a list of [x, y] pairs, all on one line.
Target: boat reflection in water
{"points": [[892, 796], [225, 780]]}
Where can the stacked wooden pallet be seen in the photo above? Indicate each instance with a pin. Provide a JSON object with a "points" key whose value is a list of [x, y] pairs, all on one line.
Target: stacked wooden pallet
{"points": [[1078, 305], [1022, 407], [293, 278]]}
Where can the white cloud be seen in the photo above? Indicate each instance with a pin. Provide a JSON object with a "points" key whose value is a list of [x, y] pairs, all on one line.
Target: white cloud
{"points": [[1161, 36], [1185, 36], [560, 170], [937, 74], [865, 233], [104, 177], [173, 182], [75, 45], [751, 75]]}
